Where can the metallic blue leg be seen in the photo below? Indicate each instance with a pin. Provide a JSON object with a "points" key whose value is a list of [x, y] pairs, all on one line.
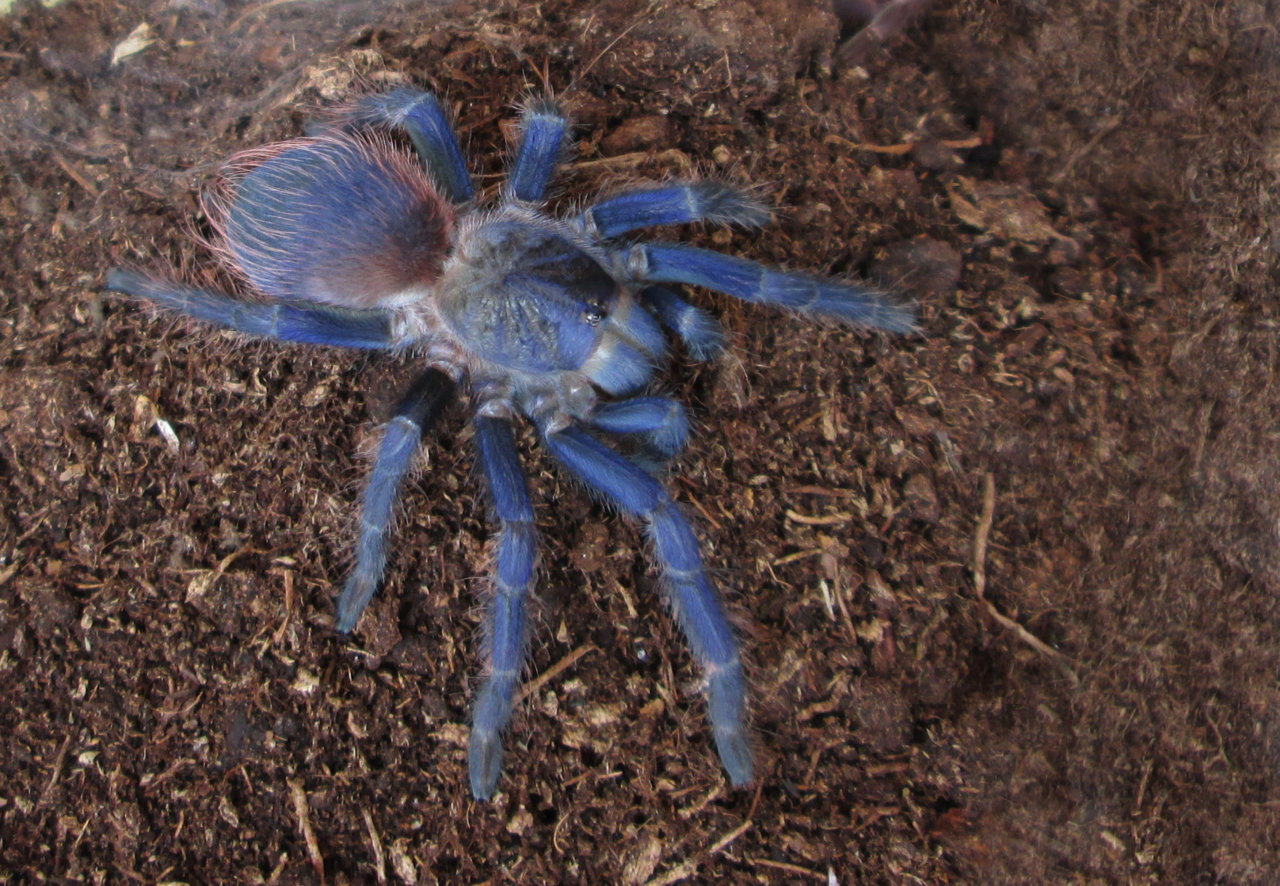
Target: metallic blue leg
{"points": [[660, 420], [418, 411], [749, 281], [517, 552], [693, 597], [283, 321], [673, 205], [427, 124], [543, 129], [701, 333]]}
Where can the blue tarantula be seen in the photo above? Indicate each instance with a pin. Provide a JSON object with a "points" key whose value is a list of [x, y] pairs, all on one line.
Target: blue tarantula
{"points": [[353, 243]]}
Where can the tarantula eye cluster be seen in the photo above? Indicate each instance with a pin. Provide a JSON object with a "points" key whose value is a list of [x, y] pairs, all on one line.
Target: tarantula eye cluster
{"points": [[350, 241]]}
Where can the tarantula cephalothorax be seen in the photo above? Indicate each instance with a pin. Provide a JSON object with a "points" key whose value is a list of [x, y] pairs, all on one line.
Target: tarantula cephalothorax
{"points": [[352, 243]]}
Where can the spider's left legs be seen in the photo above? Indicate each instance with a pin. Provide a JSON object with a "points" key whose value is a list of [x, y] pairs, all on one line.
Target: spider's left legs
{"points": [[426, 122], [543, 130], [513, 579], [308, 323], [418, 411], [693, 598]]}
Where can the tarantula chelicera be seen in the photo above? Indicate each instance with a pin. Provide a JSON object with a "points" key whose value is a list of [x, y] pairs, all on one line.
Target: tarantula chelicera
{"points": [[353, 243]]}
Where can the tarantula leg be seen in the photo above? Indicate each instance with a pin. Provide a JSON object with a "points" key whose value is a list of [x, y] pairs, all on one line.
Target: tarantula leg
{"points": [[660, 420], [692, 596], [283, 321], [513, 580], [701, 333], [418, 411], [427, 124], [672, 205], [749, 281], [543, 129]]}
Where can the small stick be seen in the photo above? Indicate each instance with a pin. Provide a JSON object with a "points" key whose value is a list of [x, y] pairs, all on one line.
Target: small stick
{"points": [[57, 770], [254, 10], [978, 565], [789, 868], [978, 568], [635, 158], [554, 671], [798, 555], [639, 19], [379, 859], [689, 867], [1108, 126], [303, 811], [825, 520], [903, 147]]}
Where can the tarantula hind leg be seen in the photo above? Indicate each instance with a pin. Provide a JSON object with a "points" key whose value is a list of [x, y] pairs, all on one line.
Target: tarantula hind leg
{"points": [[311, 324]]}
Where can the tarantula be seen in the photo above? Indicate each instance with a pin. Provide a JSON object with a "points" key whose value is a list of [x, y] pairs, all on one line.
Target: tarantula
{"points": [[351, 242]]}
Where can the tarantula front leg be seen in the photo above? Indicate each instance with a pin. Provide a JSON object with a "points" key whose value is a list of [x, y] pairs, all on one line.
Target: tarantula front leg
{"points": [[418, 411], [659, 420], [692, 596], [313, 324], [543, 128], [513, 579], [421, 116], [701, 333], [749, 281], [672, 205]]}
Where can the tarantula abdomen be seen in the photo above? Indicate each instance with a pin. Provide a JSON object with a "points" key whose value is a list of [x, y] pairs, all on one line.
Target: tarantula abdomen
{"points": [[342, 220]]}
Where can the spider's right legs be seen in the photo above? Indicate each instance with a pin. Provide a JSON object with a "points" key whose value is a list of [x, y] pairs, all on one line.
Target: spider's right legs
{"points": [[693, 598], [513, 579], [419, 409], [283, 321], [672, 205], [659, 420], [810, 294], [427, 124]]}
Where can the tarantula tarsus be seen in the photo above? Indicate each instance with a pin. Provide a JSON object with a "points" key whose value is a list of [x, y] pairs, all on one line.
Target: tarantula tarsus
{"points": [[350, 242]]}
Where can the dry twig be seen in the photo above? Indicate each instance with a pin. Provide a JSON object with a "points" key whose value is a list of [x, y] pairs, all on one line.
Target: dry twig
{"points": [[303, 810], [978, 568], [689, 867], [901, 148], [532, 687], [379, 857]]}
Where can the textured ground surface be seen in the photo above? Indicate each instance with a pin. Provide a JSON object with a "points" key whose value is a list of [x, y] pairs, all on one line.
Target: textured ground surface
{"points": [[1008, 590]]}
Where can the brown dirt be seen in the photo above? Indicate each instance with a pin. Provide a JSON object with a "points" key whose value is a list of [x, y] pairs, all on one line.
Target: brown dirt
{"points": [[1080, 195]]}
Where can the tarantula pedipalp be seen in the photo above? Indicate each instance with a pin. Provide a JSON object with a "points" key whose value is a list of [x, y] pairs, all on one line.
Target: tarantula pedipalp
{"points": [[355, 244]]}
